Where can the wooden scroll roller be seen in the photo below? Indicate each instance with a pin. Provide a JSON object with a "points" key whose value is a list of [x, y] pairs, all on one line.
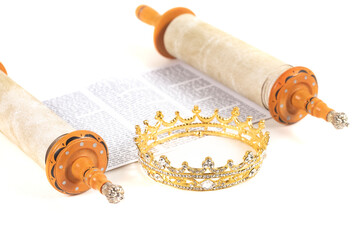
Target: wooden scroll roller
{"points": [[289, 93], [75, 161]]}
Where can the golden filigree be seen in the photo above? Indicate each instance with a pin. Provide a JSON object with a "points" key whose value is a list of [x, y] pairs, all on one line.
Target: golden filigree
{"points": [[207, 177]]}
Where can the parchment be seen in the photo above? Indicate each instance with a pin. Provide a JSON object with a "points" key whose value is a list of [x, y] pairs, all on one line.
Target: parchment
{"points": [[27, 122], [225, 58]]}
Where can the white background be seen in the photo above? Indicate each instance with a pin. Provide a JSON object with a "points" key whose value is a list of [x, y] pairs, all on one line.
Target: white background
{"points": [[308, 187]]}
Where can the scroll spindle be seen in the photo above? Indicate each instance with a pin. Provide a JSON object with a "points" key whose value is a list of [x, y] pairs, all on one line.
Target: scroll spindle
{"points": [[75, 161], [289, 93], [147, 15]]}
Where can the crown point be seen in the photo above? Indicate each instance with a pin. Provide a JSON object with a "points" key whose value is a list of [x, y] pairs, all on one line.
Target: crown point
{"points": [[261, 124], [208, 163], [196, 109], [249, 120], [137, 130], [159, 115], [163, 162], [146, 122], [235, 112], [230, 163], [185, 165]]}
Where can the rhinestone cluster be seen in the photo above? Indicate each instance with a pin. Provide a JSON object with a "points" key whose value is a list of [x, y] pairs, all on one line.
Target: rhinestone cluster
{"points": [[203, 179]]}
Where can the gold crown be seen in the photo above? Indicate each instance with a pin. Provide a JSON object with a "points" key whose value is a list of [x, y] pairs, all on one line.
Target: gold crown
{"points": [[208, 177]]}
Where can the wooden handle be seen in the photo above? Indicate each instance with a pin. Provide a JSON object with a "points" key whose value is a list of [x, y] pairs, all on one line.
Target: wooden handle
{"points": [[2, 68], [83, 170], [147, 15], [303, 99]]}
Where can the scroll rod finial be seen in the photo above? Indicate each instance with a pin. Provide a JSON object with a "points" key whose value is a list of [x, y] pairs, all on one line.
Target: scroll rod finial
{"points": [[338, 119], [96, 179], [147, 15], [114, 193]]}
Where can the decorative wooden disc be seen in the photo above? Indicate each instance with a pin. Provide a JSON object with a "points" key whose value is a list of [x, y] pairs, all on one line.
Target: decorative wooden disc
{"points": [[280, 102], [68, 148]]}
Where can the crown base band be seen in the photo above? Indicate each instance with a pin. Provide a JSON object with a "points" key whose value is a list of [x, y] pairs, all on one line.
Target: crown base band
{"points": [[231, 180]]}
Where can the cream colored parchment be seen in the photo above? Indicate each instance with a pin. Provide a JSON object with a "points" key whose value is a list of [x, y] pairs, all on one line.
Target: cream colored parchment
{"points": [[27, 122], [225, 58]]}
